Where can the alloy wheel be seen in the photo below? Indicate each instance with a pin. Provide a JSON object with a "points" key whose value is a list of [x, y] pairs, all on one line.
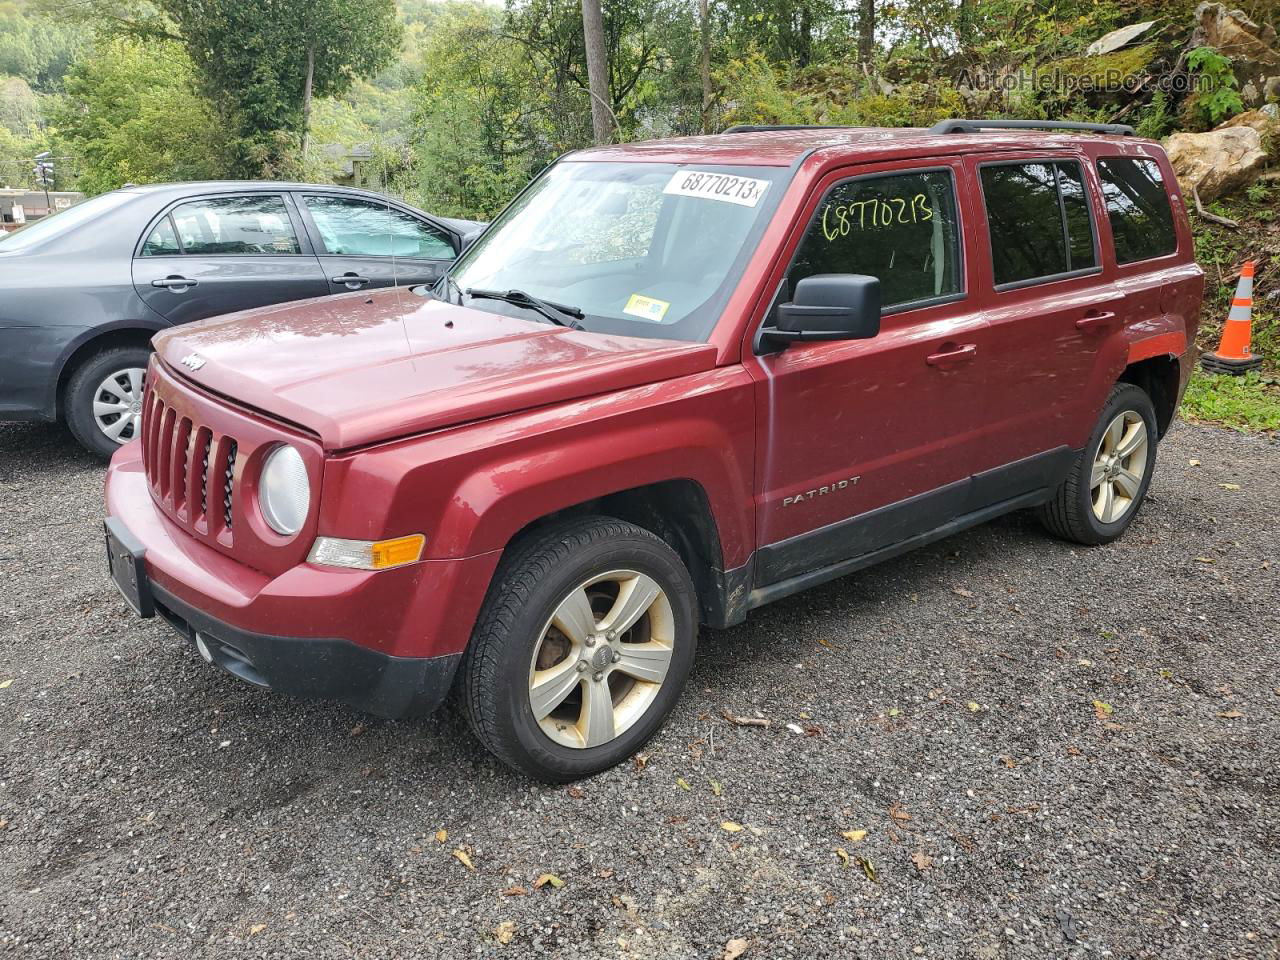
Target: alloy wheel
{"points": [[1119, 466], [601, 659], [117, 404]]}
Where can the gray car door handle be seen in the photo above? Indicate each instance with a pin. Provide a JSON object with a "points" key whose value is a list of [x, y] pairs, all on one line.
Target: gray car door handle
{"points": [[176, 284], [352, 281]]}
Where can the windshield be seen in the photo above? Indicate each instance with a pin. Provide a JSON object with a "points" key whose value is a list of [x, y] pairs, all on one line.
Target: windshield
{"points": [[61, 222], [643, 249]]}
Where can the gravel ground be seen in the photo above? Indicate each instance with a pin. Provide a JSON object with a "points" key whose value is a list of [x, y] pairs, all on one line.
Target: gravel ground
{"points": [[1053, 751]]}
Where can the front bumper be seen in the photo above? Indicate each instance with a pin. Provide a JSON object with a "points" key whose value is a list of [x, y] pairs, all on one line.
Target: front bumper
{"points": [[331, 669], [387, 642]]}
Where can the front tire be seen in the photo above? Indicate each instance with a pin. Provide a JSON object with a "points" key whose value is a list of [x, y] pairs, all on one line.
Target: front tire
{"points": [[1109, 479], [103, 399], [582, 649]]}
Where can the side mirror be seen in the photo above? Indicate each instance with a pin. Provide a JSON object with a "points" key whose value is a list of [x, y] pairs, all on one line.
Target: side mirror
{"points": [[829, 306], [469, 238]]}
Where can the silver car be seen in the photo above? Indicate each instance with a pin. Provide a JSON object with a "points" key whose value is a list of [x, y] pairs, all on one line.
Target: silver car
{"points": [[83, 291]]}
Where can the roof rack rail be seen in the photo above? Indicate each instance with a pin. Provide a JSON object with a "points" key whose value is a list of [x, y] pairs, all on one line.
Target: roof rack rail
{"points": [[975, 126], [766, 127]]}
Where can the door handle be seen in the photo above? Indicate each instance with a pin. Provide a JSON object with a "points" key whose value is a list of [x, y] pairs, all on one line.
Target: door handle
{"points": [[351, 280], [175, 283], [956, 353], [1095, 320]]}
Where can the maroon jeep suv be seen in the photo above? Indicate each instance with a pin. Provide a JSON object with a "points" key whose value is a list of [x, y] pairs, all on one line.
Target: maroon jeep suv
{"points": [[673, 381]]}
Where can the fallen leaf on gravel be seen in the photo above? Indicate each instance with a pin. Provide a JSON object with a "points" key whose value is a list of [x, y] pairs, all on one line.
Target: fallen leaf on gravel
{"points": [[6, 684], [464, 859], [922, 860], [576, 793], [715, 787], [735, 948], [962, 592], [1194, 462], [795, 728], [827, 643], [640, 760], [745, 721], [1205, 560], [973, 706], [1073, 751], [854, 836], [442, 836], [358, 729], [682, 783], [894, 711], [1231, 715], [515, 892], [812, 730], [505, 931], [1009, 762], [868, 869], [548, 878], [256, 929], [843, 855], [899, 814], [1102, 710], [730, 827], [1229, 486]]}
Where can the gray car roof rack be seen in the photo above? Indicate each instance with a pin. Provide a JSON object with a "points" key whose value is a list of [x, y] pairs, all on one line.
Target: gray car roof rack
{"points": [[976, 126]]}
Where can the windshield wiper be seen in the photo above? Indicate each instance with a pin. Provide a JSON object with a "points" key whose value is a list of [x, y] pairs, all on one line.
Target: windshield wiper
{"points": [[557, 313]]}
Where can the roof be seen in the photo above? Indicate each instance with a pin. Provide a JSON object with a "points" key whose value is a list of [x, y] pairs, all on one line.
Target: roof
{"points": [[215, 186], [783, 147]]}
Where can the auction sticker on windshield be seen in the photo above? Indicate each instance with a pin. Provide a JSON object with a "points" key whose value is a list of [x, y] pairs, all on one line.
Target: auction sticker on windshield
{"points": [[746, 191], [647, 308]]}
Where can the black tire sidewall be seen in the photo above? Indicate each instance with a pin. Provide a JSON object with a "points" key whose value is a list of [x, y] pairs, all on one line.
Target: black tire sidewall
{"points": [[1127, 398], [542, 756], [79, 395]]}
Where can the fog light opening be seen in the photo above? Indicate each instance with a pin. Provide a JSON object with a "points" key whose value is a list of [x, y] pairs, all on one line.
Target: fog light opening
{"points": [[204, 648]]}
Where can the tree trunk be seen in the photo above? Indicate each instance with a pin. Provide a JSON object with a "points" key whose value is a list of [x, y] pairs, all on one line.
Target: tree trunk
{"points": [[704, 16], [306, 102], [597, 71], [966, 27], [867, 34]]}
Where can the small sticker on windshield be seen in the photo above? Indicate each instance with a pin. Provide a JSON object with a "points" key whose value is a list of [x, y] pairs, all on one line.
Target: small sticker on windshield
{"points": [[646, 308], [746, 191]]}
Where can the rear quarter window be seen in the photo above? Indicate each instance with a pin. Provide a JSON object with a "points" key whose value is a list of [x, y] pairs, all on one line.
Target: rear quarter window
{"points": [[1138, 209]]}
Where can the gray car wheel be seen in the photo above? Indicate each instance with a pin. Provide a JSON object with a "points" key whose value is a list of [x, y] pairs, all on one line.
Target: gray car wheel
{"points": [[103, 399]]}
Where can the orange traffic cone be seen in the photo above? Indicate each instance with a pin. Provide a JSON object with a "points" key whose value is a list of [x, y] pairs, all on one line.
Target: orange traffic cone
{"points": [[1232, 355]]}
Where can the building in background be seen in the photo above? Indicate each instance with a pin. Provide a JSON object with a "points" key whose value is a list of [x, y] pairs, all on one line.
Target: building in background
{"points": [[20, 206]]}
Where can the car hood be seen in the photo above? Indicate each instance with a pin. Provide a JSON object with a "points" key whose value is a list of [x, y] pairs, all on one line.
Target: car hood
{"points": [[361, 368]]}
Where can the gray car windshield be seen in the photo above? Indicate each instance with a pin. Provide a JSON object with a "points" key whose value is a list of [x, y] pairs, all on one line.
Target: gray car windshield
{"points": [[642, 249], [46, 228]]}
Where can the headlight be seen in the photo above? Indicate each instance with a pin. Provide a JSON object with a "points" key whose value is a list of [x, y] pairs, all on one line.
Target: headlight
{"points": [[284, 492]]}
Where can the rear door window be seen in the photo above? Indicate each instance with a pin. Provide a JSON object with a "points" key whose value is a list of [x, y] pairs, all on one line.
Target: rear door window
{"points": [[252, 225], [162, 241], [1138, 208], [901, 228], [1039, 220]]}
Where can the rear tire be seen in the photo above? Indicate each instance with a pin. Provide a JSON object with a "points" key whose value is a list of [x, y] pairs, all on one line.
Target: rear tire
{"points": [[1108, 481], [102, 402], [546, 684]]}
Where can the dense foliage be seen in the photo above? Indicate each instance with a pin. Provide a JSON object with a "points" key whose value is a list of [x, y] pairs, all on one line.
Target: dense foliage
{"points": [[456, 103]]}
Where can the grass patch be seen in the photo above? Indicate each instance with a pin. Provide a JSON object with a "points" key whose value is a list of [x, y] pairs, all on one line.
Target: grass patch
{"points": [[1250, 403]]}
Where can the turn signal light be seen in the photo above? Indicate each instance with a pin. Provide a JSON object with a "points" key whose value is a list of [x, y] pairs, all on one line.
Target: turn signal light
{"points": [[366, 554]]}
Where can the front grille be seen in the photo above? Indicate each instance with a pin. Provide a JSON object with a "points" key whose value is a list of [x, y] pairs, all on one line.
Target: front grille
{"points": [[189, 466]]}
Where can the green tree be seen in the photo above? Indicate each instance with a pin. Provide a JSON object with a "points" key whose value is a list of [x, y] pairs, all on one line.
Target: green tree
{"points": [[132, 114], [262, 61]]}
